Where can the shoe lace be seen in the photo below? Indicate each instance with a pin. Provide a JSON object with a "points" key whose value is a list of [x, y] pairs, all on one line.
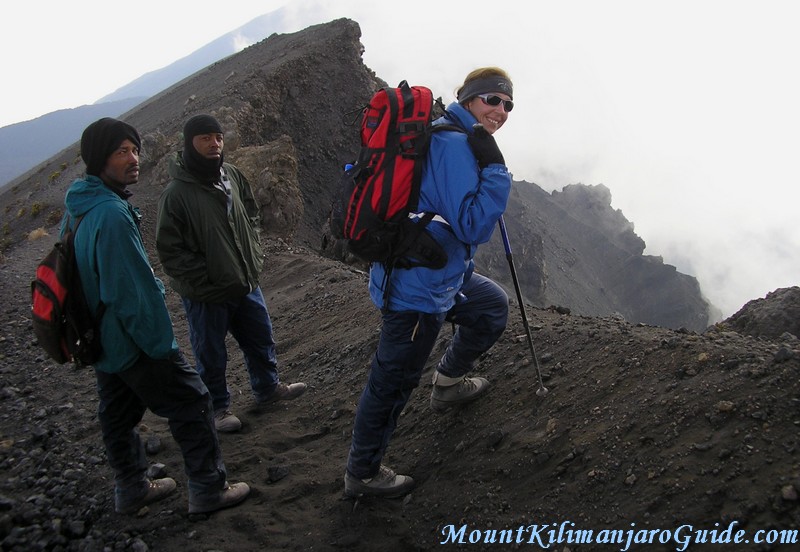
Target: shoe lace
{"points": [[467, 384], [384, 474]]}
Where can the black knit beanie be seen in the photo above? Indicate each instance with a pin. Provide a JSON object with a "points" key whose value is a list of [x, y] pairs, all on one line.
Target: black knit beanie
{"points": [[101, 138], [207, 169]]}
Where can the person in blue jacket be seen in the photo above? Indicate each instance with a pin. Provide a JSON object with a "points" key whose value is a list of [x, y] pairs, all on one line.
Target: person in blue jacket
{"points": [[141, 365], [466, 184]]}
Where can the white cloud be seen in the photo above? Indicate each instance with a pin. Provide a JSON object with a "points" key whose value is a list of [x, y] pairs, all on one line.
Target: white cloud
{"points": [[241, 42]]}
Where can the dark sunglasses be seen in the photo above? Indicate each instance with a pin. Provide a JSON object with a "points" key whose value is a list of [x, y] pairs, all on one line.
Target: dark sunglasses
{"points": [[491, 99]]}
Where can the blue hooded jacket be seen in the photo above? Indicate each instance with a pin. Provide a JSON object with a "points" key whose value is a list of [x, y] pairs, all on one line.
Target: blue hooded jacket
{"points": [[114, 269], [469, 200]]}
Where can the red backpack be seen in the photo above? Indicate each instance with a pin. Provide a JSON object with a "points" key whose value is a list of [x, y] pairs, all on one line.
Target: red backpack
{"points": [[381, 188], [62, 320]]}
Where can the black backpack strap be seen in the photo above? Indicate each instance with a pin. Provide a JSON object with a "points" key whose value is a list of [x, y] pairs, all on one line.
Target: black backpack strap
{"points": [[392, 145], [418, 248], [416, 243], [387, 282], [101, 307]]}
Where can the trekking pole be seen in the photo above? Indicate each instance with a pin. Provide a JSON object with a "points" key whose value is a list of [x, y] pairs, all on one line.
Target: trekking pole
{"points": [[542, 391]]}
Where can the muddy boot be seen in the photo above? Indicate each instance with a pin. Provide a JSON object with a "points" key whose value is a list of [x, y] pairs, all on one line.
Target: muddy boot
{"points": [[156, 490], [230, 495], [226, 422], [385, 483], [449, 392], [283, 392]]}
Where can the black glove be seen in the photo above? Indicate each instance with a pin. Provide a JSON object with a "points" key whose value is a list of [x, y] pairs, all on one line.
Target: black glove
{"points": [[484, 147]]}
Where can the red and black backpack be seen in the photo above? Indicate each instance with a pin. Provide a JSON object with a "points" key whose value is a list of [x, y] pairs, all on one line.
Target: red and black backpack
{"points": [[62, 320], [380, 189]]}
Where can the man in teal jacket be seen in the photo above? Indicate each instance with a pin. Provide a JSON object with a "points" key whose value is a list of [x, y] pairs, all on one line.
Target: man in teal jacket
{"points": [[207, 238], [141, 366]]}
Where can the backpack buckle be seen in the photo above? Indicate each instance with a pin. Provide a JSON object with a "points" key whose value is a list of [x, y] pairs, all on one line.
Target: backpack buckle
{"points": [[411, 127]]}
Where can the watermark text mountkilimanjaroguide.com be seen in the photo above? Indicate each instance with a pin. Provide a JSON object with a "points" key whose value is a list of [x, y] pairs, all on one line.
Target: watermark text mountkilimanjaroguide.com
{"points": [[566, 532]]}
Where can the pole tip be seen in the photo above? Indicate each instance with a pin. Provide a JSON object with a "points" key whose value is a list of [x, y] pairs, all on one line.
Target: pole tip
{"points": [[541, 392]]}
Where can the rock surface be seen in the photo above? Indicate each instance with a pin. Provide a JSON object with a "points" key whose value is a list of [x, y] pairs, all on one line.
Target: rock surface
{"points": [[641, 425]]}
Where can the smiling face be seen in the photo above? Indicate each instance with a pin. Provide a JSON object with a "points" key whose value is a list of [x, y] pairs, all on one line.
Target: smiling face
{"points": [[122, 166], [492, 117]]}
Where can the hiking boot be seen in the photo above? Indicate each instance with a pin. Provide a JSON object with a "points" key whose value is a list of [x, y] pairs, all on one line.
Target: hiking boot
{"points": [[230, 495], [156, 490], [449, 392], [284, 392], [226, 422], [385, 483]]}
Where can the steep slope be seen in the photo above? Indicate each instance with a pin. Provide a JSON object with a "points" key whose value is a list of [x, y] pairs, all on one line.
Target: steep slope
{"points": [[643, 428]]}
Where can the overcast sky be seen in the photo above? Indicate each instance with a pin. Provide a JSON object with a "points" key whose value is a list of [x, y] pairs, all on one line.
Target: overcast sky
{"points": [[687, 110]]}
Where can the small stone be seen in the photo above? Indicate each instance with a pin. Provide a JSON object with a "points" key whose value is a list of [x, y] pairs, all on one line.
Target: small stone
{"points": [[724, 406], [788, 492], [139, 545], [276, 473]]}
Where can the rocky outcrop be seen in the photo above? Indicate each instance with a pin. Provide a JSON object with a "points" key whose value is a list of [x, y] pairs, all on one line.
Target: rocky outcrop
{"points": [[770, 317], [573, 250], [273, 170]]}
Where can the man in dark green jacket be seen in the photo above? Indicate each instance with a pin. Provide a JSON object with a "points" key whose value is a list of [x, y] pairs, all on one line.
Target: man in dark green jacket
{"points": [[141, 366], [207, 238]]}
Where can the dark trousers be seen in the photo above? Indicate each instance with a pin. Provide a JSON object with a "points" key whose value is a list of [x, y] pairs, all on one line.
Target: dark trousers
{"points": [[406, 341], [172, 389], [247, 319]]}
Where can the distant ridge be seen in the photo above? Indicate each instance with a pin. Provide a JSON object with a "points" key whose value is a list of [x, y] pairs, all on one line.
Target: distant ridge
{"points": [[24, 145], [154, 82]]}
